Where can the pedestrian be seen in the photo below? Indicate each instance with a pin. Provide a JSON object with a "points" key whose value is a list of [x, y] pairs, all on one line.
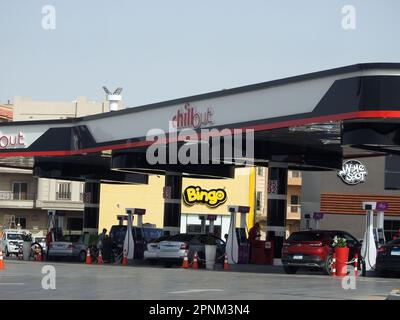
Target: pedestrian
{"points": [[101, 238], [254, 236], [49, 240]]}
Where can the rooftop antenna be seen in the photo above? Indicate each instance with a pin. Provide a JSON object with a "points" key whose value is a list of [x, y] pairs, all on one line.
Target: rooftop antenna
{"points": [[113, 98]]}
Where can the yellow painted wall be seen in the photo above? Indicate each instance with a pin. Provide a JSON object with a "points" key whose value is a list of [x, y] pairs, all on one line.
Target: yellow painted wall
{"points": [[115, 198]]}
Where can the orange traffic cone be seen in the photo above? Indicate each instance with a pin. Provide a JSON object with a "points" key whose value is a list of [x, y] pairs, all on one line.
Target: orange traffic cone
{"points": [[100, 258], [185, 264], [124, 261], [195, 264], [1, 260], [88, 257], [226, 264]]}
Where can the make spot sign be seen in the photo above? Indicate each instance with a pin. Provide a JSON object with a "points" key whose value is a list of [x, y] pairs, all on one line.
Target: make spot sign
{"points": [[353, 172]]}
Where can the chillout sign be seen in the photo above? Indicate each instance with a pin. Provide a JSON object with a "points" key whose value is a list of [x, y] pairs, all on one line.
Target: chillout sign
{"points": [[189, 117], [353, 172], [8, 141]]}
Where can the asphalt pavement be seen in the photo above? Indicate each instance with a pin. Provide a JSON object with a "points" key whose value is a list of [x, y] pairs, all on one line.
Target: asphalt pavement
{"points": [[34, 280]]}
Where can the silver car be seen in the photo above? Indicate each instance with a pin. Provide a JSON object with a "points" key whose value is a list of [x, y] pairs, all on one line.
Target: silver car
{"points": [[172, 250], [71, 246]]}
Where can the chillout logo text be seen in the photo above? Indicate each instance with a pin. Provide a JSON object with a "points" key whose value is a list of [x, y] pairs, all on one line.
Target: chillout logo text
{"points": [[189, 117]]}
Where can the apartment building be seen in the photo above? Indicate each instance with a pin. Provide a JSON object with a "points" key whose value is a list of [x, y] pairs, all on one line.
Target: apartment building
{"points": [[293, 211], [24, 199]]}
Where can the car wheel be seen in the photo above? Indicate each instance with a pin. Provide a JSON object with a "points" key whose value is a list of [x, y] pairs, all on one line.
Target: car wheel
{"points": [[290, 269], [328, 265], [82, 256], [7, 252]]}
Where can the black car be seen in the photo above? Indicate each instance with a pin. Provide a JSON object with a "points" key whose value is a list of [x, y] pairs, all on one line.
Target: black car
{"points": [[388, 258]]}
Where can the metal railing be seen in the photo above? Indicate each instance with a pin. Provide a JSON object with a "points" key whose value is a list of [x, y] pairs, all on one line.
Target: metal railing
{"points": [[63, 195], [17, 196]]}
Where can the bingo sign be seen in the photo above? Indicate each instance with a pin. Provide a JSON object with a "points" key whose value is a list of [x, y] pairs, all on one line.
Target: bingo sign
{"points": [[353, 172]]}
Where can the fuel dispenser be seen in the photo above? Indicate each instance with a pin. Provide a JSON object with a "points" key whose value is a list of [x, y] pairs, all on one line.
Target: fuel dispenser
{"points": [[129, 243], [368, 248], [237, 245]]}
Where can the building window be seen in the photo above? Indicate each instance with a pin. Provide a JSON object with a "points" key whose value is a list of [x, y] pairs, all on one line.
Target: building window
{"points": [[64, 191], [260, 171], [295, 174], [75, 224], [20, 222], [20, 190], [258, 200], [294, 203]]}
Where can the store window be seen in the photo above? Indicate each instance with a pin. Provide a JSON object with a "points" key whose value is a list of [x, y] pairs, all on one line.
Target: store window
{"points": [[196, 229], [391, 227], [20, 190], [64, 191], [258, 200]]}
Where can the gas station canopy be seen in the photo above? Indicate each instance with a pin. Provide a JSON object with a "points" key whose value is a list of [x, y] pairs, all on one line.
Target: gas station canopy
{"points": [[310, 122]]}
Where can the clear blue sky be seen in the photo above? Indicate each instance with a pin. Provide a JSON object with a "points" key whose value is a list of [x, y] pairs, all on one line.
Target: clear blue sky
{"points": [[159, 49]]}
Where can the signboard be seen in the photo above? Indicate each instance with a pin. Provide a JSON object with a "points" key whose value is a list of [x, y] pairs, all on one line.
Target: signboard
{"points": [[273, 186], [212, 198], [318, 216], [382, 206], [167, 192], [353, 172]]}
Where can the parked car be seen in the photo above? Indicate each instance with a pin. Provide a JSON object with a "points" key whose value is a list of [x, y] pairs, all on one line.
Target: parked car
{"points": [[152, 249], [12, 240], [388, 258], [69, 246], [172, 250], [313, 249]]}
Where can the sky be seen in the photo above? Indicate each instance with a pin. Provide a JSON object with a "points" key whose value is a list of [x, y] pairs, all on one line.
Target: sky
{"points": [[159, 50]]}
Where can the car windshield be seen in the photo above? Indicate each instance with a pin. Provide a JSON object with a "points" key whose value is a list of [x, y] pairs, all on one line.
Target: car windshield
{"points": [[40, 239], [118, 233], [14, 236], [71, 238], [150, 234], [306, 236]]}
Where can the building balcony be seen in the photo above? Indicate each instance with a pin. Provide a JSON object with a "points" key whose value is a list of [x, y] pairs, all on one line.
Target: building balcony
{"points": [[293, 212], [294, 178], [9, 199]]}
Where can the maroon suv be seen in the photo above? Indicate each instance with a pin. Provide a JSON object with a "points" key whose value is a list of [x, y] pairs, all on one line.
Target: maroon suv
{"points": [[313, 249]]}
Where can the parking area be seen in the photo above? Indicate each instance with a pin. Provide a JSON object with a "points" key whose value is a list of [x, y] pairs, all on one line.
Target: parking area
{"points": [[23, 280]]}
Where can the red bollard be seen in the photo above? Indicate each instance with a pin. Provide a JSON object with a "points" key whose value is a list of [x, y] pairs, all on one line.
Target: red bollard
{"points": [[356, 265]]}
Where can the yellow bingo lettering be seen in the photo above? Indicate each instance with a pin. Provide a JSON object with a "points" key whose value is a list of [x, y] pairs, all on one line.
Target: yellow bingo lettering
{"points": [[211, 198]]}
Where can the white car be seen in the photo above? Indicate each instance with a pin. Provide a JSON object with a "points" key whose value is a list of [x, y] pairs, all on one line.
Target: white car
{"points": [[152, 249], [11, 241]]}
